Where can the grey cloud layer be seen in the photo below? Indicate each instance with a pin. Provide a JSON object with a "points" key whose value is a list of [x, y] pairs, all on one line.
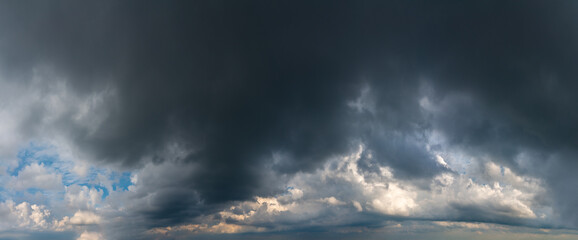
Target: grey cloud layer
{"points": [[240, 93]]}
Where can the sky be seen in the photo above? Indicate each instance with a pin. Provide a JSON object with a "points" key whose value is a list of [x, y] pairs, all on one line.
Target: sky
{"points": [[288, 119]]}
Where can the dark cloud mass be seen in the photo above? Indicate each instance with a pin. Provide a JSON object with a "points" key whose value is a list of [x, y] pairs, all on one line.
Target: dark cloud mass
{"points": [[256, 91]]}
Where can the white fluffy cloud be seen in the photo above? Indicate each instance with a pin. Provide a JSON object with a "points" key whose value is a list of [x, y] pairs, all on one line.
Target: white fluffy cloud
{"points": [[26, 216], [36, 176], [29, 215], [82, 197], [90, 236], [84, 218]]}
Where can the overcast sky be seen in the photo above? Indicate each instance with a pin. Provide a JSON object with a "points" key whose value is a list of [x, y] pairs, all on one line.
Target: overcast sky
{"points": [[288, 119]]}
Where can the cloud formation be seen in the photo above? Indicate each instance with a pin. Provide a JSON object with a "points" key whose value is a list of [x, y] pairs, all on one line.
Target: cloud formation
{"points": [[165, 119]]}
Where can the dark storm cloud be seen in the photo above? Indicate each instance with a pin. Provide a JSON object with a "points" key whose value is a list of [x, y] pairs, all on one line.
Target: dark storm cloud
{"points": [[222, 77], [238, 81]]}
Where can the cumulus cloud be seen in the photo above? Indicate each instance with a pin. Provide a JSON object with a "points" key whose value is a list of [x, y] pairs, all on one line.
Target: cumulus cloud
{"points": [[84, 218], [90, 236], [29, 215], [451, 196], [36, 176], [228, 117], [25, 216], [82, 197]]}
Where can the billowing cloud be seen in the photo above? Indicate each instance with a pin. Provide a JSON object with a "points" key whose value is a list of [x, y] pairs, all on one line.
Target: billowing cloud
{"points": [[29, 215], [165, 119], [84, 218], [90, 236], [82, 197], [36, 176]]}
